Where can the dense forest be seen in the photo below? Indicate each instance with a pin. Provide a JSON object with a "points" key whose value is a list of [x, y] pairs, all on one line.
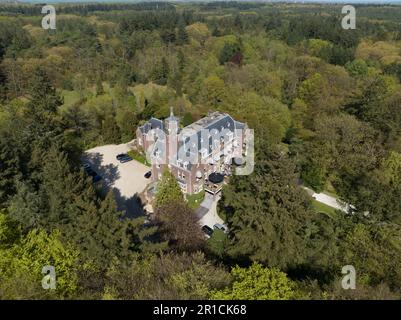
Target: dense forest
{"points": [[325, 104]]}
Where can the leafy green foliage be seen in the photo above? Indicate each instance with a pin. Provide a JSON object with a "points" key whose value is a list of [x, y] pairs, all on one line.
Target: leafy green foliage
{"points": [[231, 52], [168, 190], [21, 265], [170, 276], [257, 283]]}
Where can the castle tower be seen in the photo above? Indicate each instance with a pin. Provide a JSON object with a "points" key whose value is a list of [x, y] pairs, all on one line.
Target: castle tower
{"points": [[171, 125]]}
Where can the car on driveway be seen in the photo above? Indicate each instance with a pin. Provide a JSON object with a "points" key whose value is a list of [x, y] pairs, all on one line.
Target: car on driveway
{"points": [[207, 230], [85, 166], [220, 227], [123, 157], [97, 178], [90, 172], [148, 174]]}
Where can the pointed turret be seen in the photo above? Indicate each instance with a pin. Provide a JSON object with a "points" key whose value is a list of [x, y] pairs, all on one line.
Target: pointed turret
{"points": [[171, 123]]}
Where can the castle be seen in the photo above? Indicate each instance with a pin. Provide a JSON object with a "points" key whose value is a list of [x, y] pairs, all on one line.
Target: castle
{"points": [[199, 155]]}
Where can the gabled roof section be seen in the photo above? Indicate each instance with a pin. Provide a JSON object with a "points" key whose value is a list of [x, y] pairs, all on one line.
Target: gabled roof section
{"points": [[214, 122], [153, 123], [239, 125]]}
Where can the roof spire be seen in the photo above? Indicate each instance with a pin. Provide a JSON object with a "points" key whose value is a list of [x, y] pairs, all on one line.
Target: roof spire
{"points": [[171, 112]]}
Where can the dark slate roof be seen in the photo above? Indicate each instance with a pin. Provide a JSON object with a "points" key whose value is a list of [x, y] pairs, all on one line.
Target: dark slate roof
{"points": [[239, 125], [156, 123], [215, 123], [153, 123]]}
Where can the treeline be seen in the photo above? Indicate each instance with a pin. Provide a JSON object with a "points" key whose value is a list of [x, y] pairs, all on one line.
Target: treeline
{"points": [[84, 9]]}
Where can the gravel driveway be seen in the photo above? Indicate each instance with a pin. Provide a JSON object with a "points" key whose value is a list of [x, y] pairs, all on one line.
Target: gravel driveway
{"points": [[328, 200], [207, 212], [126, 180]]}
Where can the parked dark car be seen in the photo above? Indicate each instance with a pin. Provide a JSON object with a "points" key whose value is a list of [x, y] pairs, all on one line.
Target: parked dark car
{"points": [[123, 157], [97, 178], [206, 229], [148, 174], [220, 227], [90, 172], [86, 166]]}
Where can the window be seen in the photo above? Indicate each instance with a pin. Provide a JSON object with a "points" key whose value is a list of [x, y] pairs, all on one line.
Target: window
{"points": [[204, 153]]}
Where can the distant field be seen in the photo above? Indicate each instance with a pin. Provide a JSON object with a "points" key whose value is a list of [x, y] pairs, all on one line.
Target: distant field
{"points": [[70, 97]]}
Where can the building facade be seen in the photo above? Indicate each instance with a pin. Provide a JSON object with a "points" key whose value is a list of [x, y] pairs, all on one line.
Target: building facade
{"points": [[192, 153]]}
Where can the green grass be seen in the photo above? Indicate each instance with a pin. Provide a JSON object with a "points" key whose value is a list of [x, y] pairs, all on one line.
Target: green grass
{"points": [[217, 242], [325, 209], [138, 157], [194, 200], [70, 97]]}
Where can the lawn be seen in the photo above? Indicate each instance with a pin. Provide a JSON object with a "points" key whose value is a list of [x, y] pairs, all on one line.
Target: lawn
{"points": [[70, 97], [323, 208], [138, 157], [194, 200], [217, 242]]}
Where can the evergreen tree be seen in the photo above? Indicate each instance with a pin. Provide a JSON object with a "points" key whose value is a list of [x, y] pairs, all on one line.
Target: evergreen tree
{"points": [[106, 238], [27, 207], [267, 213], [99, 87], [181, 60], [110, 130], [161, 72], [44, 98], [231, 52], [168, 190], [176, 83], [182, 35]]}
